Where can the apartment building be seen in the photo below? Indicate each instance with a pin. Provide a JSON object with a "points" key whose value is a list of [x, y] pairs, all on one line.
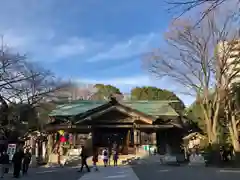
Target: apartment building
{"points": [[228, 53]]}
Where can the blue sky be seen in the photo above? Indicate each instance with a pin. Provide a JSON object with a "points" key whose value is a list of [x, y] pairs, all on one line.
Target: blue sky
{"points": [[91, 41]]}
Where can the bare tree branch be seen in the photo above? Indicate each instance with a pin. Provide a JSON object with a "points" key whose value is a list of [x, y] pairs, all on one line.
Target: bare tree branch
{"points": [[207, 6], [22, 83], [191, 60]]}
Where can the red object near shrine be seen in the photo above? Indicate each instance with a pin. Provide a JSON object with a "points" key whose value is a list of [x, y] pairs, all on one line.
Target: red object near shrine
{"points": [[62, 139]]}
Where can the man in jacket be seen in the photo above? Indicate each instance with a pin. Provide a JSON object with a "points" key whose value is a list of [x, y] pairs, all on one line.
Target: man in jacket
{"points": [[17, 162], [84, 159]]}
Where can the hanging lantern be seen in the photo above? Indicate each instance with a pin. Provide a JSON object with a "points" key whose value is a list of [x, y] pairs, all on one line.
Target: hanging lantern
{"points": [[61, 132]]}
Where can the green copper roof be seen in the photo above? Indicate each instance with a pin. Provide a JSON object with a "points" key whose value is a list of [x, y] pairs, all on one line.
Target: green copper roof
{"points": [[75, 108], [154, 108]]}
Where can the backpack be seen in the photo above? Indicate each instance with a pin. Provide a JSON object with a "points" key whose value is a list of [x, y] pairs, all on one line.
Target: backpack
{"points": [[105, 153]]}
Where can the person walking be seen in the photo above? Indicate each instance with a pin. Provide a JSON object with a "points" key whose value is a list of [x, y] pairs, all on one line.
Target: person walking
{"points": [[26, 161], [84, 159], [109, 155], [17, 162], [105, 157], [4, 163], [95, 159], [115, 157]]}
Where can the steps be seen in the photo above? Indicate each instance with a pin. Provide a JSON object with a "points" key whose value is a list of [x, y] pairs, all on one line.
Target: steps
{"points": [[73, 161]]}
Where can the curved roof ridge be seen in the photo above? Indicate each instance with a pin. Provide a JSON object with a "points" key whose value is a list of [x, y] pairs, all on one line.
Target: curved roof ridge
{"points": [[144, 101]]}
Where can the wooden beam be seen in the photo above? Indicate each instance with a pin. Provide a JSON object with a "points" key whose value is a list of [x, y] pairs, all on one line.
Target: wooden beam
{"points": [[143, 126], [113, 126], [134, 114], [97, 114]]}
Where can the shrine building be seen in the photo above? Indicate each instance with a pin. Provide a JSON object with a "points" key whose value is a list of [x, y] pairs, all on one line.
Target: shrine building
{"points": [[129, 124]]}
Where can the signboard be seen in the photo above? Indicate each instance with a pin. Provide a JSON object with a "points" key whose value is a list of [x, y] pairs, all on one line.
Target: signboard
{"points": [[146, 147], [11, 150]]}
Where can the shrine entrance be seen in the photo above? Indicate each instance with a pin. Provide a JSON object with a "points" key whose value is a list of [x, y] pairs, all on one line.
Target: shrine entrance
{"points": [[106, 137]]}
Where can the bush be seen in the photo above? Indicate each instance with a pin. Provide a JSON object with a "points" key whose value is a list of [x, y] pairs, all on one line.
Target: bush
{"points": [[212, 154]]}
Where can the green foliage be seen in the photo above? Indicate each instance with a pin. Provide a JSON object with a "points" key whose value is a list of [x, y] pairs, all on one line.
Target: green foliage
{"points": [[105, 91], [154, 93], [194, 112]]}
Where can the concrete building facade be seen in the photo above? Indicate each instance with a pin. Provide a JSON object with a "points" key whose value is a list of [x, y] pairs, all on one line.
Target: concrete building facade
{"points": [[228, 55]]}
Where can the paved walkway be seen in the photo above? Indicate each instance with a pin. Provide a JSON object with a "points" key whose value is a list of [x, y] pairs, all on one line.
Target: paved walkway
{"points": [[76, 161], [117, 173], [49, 174]]}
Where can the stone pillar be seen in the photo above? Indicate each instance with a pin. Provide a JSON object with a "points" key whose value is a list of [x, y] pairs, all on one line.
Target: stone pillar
{"points": [[44, 150], [154, 138], [32, 145], [73, 139], [36, 149], [128, 138], [34, 152], [136, 138], [126, 144], [50, 143]]}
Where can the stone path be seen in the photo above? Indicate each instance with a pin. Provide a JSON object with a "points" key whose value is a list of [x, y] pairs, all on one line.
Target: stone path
{"points": [[49, 174], [117, 173], [76, 160], [156, 171]]}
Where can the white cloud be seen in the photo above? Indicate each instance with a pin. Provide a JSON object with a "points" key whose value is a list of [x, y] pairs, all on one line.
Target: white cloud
{"points": [[136, 45], [42, 43], [72, 47], [27, 42], [95, 50], [75, 46], [14, 40], [28, 21]]}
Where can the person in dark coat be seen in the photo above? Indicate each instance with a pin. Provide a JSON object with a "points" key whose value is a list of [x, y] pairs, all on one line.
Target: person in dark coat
{"points": [[109, 155], [95, 159], [115, 157], [4, 163], [17, 162], [26, 161], [84, 159]]}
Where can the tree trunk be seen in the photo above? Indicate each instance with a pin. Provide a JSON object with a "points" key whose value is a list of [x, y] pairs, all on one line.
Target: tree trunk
{"points": [[234, 139], [234, 133], [49, 147], [235, 144], [211, 132], [211, 124]]}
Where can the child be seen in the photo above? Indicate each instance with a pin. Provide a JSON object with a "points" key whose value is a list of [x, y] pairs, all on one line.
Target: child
{"points": [[105, 157], [95, 160]]}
